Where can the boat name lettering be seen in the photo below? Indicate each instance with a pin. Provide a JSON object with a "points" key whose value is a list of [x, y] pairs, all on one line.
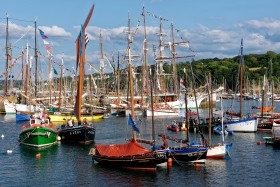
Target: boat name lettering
{"points": [[75, 132]]}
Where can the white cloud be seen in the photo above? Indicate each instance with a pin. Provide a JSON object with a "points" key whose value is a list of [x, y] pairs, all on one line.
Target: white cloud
{"points": [[55, 31]]}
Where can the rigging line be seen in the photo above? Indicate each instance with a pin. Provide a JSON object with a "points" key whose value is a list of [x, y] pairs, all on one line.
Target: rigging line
{"points": [[155, 16], [20, 37], [20, 20]]}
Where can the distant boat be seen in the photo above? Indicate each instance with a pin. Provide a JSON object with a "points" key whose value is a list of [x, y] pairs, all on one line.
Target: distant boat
{"points": [[61, 118], [275, 138], [218, 130], [24, 116], [38, 133], [242, 124], [185, 153]]}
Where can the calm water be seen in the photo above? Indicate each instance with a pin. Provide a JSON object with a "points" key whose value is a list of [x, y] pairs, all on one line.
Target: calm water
{"points": [[70, 165]]}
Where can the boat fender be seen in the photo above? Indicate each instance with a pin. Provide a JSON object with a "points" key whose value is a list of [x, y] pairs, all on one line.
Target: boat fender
{"points": [[169, 162]]}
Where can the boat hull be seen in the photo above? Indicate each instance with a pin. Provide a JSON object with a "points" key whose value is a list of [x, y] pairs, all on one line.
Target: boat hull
{"points": [[161, 113], [186, 155], [38, 137], [216, 152], [77, 134], [245, 125], [22, 117], [148, 161], [64, 118]]}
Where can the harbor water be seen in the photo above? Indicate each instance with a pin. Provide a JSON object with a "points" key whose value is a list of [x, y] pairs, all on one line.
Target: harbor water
{"points": [[250, 164]]}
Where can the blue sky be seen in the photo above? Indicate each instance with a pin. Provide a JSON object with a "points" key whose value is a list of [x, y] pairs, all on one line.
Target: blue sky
{"points": [[213, 28]]}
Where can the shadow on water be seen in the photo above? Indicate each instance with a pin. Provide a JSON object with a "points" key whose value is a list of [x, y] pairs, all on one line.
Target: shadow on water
{"points": [[32, 152]]}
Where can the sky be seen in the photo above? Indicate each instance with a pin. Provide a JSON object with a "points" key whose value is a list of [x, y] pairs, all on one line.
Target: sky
{"points": [[213, 29]]}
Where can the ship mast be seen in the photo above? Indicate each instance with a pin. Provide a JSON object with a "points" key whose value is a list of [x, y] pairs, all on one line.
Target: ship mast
{"points": [[7, 57], [129, 41], [36, 60], [241, 77], [102, 66]]}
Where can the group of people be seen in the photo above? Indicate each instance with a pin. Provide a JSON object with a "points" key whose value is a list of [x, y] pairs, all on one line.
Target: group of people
{"points": [[70, 122]]}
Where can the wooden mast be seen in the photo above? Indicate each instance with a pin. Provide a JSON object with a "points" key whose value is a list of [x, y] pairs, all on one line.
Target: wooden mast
{"points": [[50, 78], [36, 60], [26, 73], [186, 104], [80, 50], [102, 66], [241, 77], [60, 85], [210, 108], [7, 57], [145, 71], [174, 61], [131, 78]]}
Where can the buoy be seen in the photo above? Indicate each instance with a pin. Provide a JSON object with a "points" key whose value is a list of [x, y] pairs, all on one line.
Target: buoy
{"points": [[259, 143], [2, 136], [58, 138], [197, 166], [38, 155], [169, 162], [9, 151]]}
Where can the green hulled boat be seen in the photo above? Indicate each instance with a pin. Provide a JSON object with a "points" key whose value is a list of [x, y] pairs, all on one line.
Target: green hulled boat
{"points": [[38, 133]]}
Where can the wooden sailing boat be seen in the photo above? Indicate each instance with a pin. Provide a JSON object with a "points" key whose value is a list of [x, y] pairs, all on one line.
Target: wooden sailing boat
{"points": [[265, 121], [220, 150], [130, 155], [185, 153], [84, 132], [244, 124]]}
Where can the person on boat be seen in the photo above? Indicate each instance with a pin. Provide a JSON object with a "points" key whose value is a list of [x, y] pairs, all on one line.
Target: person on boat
{"points": [[175, 124], [85, 122], [165, 143], [70, 122]]}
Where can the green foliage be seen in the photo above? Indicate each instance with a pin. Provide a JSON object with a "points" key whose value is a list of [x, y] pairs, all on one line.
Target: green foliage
{"points": [[255, 65]]}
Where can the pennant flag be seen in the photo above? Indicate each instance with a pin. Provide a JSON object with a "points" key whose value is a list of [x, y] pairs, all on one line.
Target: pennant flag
{"points": [[46, 42], [86, 40], [42, 34], [55, 72], [132, 123], [81, 42], [48, 48]]}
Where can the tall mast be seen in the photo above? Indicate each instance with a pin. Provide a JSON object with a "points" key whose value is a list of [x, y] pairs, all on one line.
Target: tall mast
{"points": [[186, 103], [80, 61], [145, 72], [26, 73], [50, 77], [263, 88], [210, 108], [241, 77], [7, 56], [60, 85], [36, 60], [102, 65], [174, 61], [129, 41]]}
